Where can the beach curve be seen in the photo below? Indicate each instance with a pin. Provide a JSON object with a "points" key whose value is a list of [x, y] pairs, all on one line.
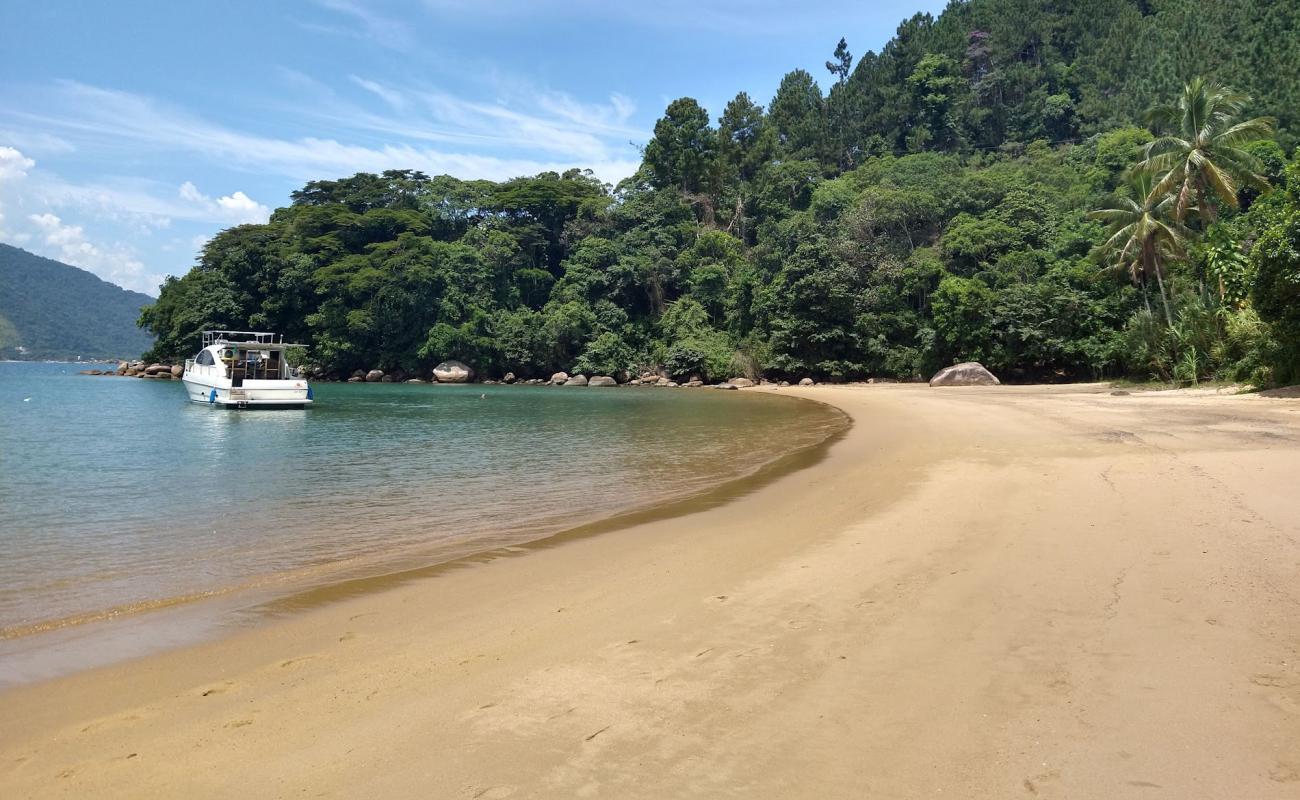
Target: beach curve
{"points": [[984, 592]]}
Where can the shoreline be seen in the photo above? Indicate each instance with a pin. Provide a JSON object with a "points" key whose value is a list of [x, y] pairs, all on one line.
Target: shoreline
{"points": [[971, 592], [267, 595]]}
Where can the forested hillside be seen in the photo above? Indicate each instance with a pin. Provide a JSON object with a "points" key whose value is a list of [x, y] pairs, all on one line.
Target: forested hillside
{"points": [[50, 310], [989, 186]]}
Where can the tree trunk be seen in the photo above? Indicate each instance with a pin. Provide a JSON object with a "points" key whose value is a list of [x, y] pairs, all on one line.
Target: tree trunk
{"points": [[1164, 299], [1152, 264]]}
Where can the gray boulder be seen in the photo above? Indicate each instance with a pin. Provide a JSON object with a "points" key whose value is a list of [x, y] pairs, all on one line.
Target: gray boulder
{"points": [[452, 372], [726, 386], [509, 377], [741, 383], [602, 380], [374, 376], [807, 382], [969, 373], [559, 378], [576, 380]]}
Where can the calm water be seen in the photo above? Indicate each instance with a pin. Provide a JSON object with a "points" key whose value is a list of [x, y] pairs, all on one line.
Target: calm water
{"points": [[118, 497]]}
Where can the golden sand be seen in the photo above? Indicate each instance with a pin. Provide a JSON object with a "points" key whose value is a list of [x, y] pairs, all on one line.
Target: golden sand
{"points": [[978, 592]]}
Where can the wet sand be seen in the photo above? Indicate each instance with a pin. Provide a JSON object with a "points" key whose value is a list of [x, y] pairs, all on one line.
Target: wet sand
{"points": [[1001, 592]]}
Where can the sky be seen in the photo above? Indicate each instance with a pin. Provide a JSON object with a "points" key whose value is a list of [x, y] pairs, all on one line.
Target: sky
{"points": [[132, 131]]}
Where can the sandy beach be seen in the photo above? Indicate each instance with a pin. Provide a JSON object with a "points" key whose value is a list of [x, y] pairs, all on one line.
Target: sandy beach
{"points": [[977, 592]]}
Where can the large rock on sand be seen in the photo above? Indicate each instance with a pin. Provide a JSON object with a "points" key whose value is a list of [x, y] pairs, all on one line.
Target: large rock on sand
{"points": [[969, 373], [576, 380], [452, 372], [602, 380], [741, 383]]}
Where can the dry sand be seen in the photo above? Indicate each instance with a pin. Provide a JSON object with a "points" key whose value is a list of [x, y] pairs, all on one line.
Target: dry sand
{"points": [[977, 593]]}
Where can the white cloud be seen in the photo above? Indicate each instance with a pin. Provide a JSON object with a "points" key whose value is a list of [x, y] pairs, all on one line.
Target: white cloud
{"points": [[237, 208], [13, 164], [116, 263]]}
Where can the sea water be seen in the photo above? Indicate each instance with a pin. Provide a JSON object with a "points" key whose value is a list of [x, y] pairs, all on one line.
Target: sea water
{"points": [[118, 498]]}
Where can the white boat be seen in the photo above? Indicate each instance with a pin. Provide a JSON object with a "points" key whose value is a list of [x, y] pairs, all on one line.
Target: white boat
{"points": [[245, 369]]}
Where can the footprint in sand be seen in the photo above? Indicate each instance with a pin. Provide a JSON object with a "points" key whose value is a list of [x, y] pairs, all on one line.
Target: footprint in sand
{"points": [[496, 792], [295, 661]]}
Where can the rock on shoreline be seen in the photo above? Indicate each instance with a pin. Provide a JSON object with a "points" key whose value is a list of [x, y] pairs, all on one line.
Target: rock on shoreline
{"points": [[453, 372], [968, 373]]}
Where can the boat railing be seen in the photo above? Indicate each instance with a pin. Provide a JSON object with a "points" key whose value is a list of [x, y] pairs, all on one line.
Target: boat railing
{"points": [[241, 337]]}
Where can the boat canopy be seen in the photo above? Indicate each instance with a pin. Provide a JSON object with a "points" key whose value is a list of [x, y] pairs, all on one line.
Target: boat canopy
{"points": [[246, 340]]}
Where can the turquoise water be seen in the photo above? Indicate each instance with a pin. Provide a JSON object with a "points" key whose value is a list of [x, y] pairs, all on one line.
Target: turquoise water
{"points": [[118, 497]]}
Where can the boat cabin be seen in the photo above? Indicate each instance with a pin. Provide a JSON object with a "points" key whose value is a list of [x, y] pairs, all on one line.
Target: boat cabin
{"points": [[244, 355]]}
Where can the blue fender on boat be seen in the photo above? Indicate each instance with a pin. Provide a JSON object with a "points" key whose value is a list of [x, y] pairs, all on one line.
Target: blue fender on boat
{"points": [[212, 397], [308, 392]]}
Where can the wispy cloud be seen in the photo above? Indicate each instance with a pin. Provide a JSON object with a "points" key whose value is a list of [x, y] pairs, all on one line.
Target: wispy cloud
{"points": [[748, 18], [561, 133], [364, 22], [392, 97]]}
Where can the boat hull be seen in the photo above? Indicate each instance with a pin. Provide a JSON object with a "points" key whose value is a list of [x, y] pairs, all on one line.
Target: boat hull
{"points": [[253, 394]]}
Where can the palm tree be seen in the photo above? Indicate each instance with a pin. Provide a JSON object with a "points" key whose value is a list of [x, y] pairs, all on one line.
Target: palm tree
{"points": [[1200, 152], [1142, 238]]}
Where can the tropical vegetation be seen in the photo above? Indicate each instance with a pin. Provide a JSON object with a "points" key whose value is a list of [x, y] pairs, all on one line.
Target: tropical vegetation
{"points": [[999, 183]]}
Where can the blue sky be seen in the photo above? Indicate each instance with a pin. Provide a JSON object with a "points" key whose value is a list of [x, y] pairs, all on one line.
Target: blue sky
{"points": [[132, 131]]}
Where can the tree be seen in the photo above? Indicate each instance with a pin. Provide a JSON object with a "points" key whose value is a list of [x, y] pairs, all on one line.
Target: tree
{"points": [[1275, 259], [683, 148], [1142, 236], [797, 112], [1200, 152], [843, 63]]}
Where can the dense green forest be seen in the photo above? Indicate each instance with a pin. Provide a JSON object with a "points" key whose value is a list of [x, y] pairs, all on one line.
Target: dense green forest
{"points": [[50, 310], [999, 184]]}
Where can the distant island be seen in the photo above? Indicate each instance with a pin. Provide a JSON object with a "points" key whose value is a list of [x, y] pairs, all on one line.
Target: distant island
{"points": [[1040, 188], [53, 311]]}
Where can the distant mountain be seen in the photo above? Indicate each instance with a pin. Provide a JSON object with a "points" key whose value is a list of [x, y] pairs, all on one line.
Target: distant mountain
{"points": [[50, 310]]}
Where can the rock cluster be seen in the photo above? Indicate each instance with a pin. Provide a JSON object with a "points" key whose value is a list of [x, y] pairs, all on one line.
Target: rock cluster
{"points": [[140, 369]]}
